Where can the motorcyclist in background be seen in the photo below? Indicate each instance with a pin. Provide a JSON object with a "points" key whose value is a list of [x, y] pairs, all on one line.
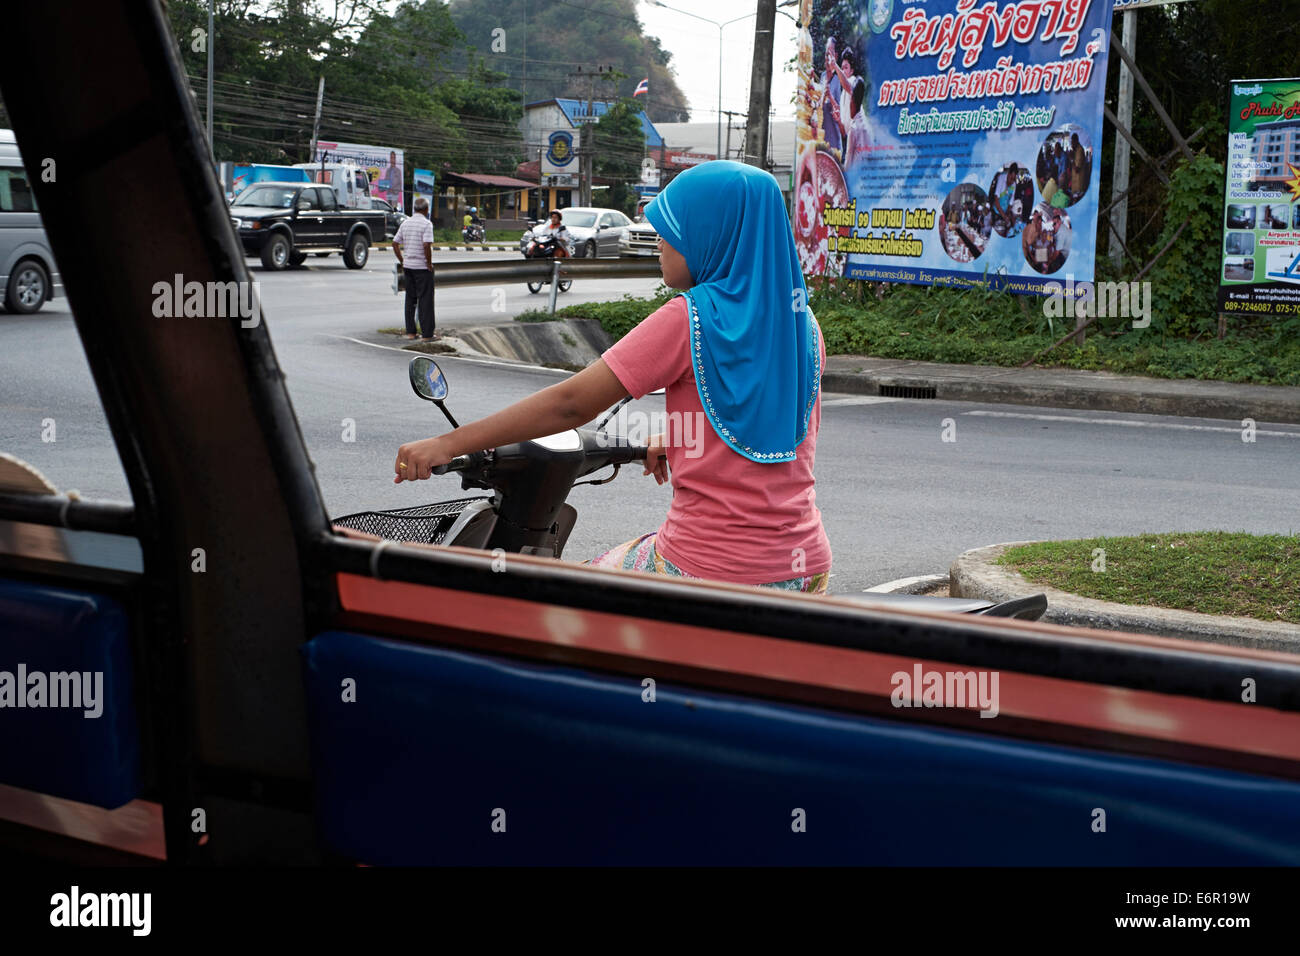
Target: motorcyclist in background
{"points": [[555, 228], [472, 223]]}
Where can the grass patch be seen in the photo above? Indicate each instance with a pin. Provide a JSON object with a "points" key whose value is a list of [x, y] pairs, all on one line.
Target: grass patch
{"points": [[986, 327], [1211, 572]]}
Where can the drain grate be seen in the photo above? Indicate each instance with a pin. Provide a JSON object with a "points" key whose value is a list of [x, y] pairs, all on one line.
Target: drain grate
{"points": [[907, 391]]}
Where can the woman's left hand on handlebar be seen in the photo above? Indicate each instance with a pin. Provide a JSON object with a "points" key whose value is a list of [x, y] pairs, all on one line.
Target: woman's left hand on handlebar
{"points": [[656, 461], [417, 459]]}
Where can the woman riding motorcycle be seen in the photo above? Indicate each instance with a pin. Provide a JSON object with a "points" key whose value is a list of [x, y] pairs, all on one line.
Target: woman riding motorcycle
{"points": [[738, 349]]}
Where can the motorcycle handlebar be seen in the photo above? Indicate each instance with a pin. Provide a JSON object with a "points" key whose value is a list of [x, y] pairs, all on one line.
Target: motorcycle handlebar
{"points": [[626, 454], [608, 450], [462, 462]]}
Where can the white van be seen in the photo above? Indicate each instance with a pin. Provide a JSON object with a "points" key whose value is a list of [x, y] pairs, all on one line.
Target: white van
{"points": [[29, 276], [351, 184]]}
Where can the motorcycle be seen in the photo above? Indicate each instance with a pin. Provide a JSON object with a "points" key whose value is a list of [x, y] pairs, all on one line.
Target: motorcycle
{"points": [[528, 512], [540, 245], [473, 232]]}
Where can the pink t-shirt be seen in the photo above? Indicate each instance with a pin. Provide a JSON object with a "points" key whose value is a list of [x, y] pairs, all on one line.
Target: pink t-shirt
{"points": [[731, 519]]}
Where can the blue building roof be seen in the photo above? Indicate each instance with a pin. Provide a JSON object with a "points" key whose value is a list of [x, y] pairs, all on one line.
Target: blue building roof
{"points": [[574, 108]]}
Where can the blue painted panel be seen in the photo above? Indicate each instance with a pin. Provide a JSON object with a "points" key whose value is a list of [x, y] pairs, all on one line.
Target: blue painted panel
{"points": [[60, 750], [587, 772]]}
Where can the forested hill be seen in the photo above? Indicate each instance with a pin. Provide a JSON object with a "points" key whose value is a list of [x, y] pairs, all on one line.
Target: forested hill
{"points": [[558, 36]]}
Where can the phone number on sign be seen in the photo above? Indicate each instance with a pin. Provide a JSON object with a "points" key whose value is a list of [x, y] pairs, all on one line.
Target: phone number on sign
{"points": [[1280, 308]]}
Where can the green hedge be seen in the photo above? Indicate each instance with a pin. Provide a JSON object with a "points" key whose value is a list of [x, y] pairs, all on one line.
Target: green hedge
{"points": [[985, 327]]}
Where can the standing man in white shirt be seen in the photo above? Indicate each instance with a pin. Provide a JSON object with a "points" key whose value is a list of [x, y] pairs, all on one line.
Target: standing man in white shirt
{"points": [[413, 246]]}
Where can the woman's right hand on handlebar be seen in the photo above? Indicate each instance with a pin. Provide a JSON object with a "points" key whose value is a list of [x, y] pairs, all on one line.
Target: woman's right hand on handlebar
{"points": [[417, 459], [656, 460]]}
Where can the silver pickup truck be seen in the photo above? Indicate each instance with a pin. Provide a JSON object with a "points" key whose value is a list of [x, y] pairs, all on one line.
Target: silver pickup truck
{"points": [[640, 239]]}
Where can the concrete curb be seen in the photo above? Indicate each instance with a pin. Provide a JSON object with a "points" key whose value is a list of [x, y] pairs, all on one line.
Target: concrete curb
{"points": [[1066, 388], [975, 574], [461, 247], [571, 344]]}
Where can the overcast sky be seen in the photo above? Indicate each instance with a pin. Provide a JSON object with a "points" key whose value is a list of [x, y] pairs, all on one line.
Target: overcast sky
{"points": [[694, 46]]}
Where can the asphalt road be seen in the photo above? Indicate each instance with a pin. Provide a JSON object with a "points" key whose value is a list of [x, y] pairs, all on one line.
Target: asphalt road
{"points": [[334, 298], [897, 499]]}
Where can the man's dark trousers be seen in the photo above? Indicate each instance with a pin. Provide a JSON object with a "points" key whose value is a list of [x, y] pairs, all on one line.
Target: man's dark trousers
{"points": [[419, 289]]}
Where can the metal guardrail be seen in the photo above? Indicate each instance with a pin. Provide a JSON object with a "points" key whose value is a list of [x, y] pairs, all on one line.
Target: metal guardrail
{"points": [[544, 270], [487, 273]]}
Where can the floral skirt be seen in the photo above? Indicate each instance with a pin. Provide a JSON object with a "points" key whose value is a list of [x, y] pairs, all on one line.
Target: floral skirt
{"points": [[639, 554]]}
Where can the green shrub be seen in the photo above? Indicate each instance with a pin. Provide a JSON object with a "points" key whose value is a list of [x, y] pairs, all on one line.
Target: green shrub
{"points": [[982, 326], [617, 318], [1185, 282]]}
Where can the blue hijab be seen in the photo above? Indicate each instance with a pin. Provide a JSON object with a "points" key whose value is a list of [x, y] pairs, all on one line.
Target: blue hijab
{"points": [[753, 344]]}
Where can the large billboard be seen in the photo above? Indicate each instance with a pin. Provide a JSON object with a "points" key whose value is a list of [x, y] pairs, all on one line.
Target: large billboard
{"points": [[950, 143], [383, 163], [1261, 215]]}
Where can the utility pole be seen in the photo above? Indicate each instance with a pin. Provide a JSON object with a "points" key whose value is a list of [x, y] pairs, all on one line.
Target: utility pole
{"points": [[730, 115], [589, 145], [587, 151], [212, 152], [760, 86], [315, 126], [1119, 180]]}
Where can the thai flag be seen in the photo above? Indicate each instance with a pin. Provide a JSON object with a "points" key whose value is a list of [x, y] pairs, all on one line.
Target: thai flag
{"points": [[642, 87]]}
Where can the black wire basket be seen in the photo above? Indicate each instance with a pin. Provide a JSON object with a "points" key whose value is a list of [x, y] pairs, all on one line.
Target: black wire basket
{"points": [[425, 524]]}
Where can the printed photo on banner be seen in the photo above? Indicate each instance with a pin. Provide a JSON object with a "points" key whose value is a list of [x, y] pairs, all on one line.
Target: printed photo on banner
{"points": [[1011, 195], [1046, 240], [933, 139]]}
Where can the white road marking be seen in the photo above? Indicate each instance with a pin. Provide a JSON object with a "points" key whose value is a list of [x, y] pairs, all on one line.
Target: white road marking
{"points": [[1234, 429], [890, 587], [860, 400]]}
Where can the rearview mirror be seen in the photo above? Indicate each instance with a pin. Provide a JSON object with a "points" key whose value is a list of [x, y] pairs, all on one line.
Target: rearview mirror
{"points": [[427, 379], [430, 384]]}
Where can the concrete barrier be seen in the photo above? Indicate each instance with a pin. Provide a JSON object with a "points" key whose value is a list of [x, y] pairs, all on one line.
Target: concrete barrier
{"points": [[568, 343]]}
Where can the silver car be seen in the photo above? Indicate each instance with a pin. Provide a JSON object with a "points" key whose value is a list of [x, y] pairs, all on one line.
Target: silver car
{"points": [[29, 276], [595, 232]]}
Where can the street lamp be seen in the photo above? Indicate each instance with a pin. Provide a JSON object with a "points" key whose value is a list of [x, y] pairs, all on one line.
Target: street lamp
{"points": [[656, 3]]}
